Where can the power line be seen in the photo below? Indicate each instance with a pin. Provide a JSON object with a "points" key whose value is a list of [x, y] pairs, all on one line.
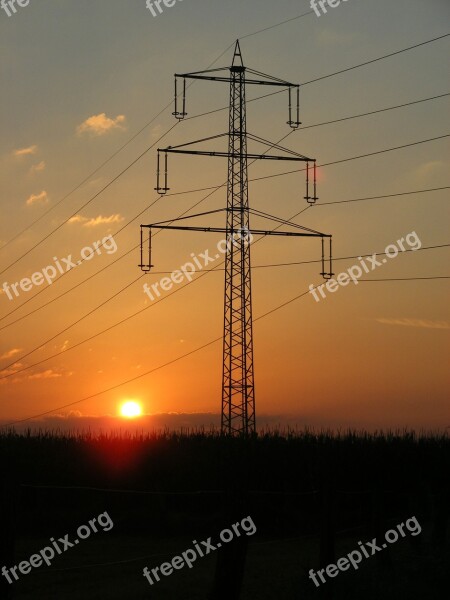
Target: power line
{"points": [[166, 364], [76, 322], [76, 188], [58, 227], [215, 188], [134, 248], [63, 293], [203, 273], [133, 137], [124, 288], [336, 162], [321, 204], [165, 108], [121, 229], [310, 262], [191, 191], [407, 278], [375, 112], [270, 176], [277, 25], [218, 187], [374, 60], [84, 280], [385, 196], [164, 272]]}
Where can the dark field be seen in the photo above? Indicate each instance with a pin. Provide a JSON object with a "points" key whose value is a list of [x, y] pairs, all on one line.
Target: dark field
{"points": [[311, 497]]}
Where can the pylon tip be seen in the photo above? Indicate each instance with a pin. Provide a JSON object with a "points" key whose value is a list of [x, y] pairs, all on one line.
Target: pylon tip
{"points": [[237, 55]]}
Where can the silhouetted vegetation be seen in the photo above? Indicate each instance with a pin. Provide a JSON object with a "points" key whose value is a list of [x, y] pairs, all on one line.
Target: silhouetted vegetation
{"points": [[311, 495]]}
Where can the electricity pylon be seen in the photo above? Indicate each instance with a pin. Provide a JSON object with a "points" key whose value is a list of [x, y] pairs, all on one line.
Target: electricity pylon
{"points": [[238, 390]]}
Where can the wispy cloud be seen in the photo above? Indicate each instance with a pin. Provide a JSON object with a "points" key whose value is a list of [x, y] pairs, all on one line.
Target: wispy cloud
{"points": [[10, 353], [48, 374], [95, 221], [101, 124], [38, 167], [77, 219], [41, 198], [430, 168], [10, 371], [26, 151], [422, 323], [156, 132]]}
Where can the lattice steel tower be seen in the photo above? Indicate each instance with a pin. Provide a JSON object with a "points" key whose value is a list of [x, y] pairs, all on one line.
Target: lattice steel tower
{"points": [[238, 390]]}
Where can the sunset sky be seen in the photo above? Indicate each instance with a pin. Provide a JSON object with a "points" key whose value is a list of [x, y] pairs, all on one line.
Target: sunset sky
{"points": [[79, 79]]}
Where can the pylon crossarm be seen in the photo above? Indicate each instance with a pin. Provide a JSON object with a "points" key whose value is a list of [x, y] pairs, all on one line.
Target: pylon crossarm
{"points": [[260, 140], [270, 80], [270, 77], [209, 212], [202, 72], [255, 138], [213, 137], [230, 79], [239, 231], [237, 155], [260, 213]]}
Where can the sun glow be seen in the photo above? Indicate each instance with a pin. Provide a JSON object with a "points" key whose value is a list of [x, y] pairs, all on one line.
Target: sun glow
{"points": [[131, 409]]}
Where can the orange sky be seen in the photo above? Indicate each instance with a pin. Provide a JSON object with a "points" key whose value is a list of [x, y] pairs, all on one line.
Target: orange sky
{"points": [[369, 355]]}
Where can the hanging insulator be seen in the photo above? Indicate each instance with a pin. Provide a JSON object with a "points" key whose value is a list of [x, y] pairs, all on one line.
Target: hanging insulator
{"points": [[327, 274], [315, 198], [146, 267], [177, 114], [294, 124], [161, 189], [307, 197]]}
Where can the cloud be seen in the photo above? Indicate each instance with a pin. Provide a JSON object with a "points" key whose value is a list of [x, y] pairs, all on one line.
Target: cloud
{"points": [[421, 323], [94, 222], [77, 219], [10, 353], [41, 198], [156, 132], [38, 167], [26, 151], [12, 370], [48, 374], [101, 124], [430, 168]]}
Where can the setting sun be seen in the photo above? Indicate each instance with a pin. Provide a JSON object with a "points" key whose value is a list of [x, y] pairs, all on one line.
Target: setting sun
{"points": [[131, 409]]}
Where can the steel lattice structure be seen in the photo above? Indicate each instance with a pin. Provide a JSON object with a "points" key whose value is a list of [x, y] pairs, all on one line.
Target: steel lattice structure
{"points": [[238, 391], [238, 388]]}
